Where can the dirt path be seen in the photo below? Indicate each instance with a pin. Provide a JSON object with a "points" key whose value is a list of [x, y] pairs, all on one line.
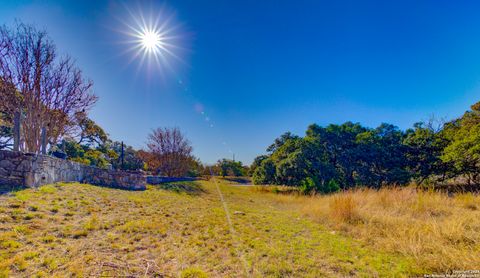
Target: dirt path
{"points": [[233, 233]]}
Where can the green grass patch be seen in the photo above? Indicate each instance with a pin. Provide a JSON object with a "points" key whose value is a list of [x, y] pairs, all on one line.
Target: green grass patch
{"points": [[177, 229]]}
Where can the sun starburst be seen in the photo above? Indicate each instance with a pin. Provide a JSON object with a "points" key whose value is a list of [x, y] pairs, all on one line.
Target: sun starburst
{"points": [[153, 39]]}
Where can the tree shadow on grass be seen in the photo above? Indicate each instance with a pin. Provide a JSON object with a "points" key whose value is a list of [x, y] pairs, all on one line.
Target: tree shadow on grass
{"points": [[5, 189], [187, 187], [239, 180]]}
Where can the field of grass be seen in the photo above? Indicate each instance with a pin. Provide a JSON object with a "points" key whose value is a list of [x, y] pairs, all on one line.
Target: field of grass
{"points": [[184, 230], [439, 232]]}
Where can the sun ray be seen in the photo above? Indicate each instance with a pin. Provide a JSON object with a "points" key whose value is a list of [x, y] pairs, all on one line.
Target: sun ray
{"points": [[152, 38]]}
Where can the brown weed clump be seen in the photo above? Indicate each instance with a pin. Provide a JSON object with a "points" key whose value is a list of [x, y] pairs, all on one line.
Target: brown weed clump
{"points": [[344, 208]]}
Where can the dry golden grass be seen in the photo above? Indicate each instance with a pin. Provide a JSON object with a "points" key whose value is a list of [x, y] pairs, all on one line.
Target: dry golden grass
{"points": [[178, 230], [440, 233], [343, 208]]}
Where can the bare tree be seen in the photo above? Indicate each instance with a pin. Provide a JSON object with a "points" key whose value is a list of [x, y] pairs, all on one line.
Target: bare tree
{"points": [[170, 153], [51, 90]]}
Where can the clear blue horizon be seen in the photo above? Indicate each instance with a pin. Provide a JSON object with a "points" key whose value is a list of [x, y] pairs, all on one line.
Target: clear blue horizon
{"points": [[248, 71]]}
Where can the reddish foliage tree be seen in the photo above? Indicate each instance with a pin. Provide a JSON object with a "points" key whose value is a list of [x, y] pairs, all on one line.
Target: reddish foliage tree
{"points": [[49, 91], [169, 152]]}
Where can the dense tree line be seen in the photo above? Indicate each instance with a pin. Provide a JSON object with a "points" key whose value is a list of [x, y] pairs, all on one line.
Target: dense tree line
{"points": [[344, 156], [227, 167]]}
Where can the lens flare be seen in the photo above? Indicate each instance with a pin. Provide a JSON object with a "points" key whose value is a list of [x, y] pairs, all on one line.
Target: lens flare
{"points": [[153, 38]]}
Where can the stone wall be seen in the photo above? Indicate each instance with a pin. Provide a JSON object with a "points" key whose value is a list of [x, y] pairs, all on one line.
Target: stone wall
{"points": [[116, 179], [18, 169], [13, 168], [160, 180]]}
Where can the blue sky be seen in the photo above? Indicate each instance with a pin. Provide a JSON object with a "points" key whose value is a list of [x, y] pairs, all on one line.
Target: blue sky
{"points": [[260, 68]]}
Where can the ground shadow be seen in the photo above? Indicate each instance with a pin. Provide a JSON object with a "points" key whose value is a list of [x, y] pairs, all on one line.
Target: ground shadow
{"points": [[240, 180], [188, 187], [452, 188], [5, 189]]}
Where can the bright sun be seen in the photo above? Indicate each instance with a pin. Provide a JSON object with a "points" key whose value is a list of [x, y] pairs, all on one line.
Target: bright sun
{"points": [[151, 40], [154, 40]]}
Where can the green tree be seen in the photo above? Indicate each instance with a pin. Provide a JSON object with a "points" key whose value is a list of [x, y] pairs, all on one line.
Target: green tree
{"points": [[290, 161], [256, 163], [83, 154], [230, 168], [71, 148], [348, 155], [382, 157], [281, 140], [131, 159], [265, 173], [425, 145], [91, 134], [6, 131], [463, 150], [338, 147], [97, 158], [343, 156], [10, 100]]}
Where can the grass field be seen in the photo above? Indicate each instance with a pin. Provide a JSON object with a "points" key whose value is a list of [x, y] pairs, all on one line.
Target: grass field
{"points": [[183, 230], [438, 232]]}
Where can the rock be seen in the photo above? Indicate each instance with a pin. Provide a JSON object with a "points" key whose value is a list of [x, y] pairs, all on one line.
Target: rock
{"points": [[239, 213]]}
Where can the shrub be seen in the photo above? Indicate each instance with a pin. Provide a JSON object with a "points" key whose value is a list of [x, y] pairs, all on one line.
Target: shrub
{"points": [[308, 185], [331, 187], [311, 184], [81, 160]]}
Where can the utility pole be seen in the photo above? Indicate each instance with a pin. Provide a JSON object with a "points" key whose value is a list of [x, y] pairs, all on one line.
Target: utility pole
{"points": [[121, 155], [233, 157]]}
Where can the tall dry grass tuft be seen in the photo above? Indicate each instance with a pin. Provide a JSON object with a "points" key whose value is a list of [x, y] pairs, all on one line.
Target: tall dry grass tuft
{"points": [[438, 232], [343, 208]]}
